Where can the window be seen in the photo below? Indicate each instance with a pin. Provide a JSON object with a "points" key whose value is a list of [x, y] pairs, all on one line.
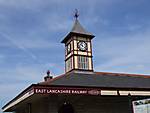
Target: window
{"points": [[83, 62], [68, 48], [68, 65]]}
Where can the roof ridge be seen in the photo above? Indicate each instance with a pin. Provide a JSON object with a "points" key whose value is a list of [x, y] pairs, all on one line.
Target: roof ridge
{"points": [[124, 74]]}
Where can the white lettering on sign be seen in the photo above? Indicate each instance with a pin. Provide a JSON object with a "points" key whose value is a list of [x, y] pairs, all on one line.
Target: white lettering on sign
{"points": [[78, 92], [40, 90], [51, 91], [57, 91], [66, 91]]}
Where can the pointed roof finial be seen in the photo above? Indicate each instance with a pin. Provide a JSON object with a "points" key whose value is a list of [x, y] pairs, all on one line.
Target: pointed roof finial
{"points": [[48, 73], [76, 15]]}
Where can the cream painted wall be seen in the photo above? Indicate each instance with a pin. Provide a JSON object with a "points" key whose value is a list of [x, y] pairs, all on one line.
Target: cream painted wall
{"points": [[75, 51]]}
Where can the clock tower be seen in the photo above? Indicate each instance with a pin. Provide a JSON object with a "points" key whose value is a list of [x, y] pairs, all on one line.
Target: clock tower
{"points": [[78, 48]]}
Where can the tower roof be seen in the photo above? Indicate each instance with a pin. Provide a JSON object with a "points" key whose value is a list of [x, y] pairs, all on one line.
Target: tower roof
{"points": [[77, 29]]}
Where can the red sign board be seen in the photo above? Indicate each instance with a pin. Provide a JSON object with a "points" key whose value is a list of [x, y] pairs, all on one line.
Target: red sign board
{"points": [[59, 90]]}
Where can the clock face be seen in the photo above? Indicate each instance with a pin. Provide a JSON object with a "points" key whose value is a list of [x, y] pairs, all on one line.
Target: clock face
{"points": [[82, 45]]}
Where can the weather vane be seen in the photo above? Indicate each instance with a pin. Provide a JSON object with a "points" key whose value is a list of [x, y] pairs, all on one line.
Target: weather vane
{"points": [[76, 15]]}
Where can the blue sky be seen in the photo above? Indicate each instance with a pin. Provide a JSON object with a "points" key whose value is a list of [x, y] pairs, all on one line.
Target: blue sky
{"points": [[31, 31]]}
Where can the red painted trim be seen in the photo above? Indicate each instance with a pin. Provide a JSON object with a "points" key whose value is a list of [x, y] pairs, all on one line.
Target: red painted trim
{"points": [[67, 90], [132, 108], [122, 74]]}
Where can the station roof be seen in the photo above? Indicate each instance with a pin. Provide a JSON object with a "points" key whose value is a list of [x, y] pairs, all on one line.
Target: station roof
{"points": [[97, 80], [101, 79]]}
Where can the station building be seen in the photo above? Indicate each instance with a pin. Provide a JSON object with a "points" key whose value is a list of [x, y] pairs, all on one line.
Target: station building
{"points": [[80, 89]]}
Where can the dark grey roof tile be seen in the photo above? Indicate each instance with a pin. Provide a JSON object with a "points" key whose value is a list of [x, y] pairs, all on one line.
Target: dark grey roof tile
{"points": [[107, 80]]}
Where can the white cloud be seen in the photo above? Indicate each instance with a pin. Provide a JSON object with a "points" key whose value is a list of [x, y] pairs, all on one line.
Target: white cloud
{"points": [[37, 44], [57, 23], [2, 57], [128, 53], [6, 89], [28, 4], [18, 45], [17, 78], [9, 91], [31, 73]]}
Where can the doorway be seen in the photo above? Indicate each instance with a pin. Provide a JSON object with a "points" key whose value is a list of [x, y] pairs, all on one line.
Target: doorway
{"points": [[66, 108]]}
